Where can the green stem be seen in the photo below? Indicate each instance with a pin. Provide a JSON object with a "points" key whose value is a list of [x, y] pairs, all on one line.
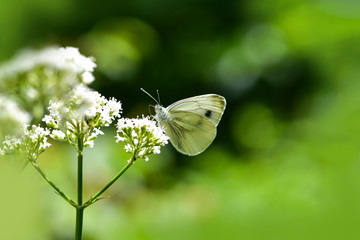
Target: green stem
{"points": [[58, 191], [79, 223], [97, 195], [79, 208]]}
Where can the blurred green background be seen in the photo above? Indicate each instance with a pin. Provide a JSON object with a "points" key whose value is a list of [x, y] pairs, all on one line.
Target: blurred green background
{"points": [[285, 163]]}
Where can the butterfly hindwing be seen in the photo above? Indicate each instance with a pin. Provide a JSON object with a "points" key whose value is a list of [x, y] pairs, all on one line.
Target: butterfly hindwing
{"points": [[190, 133]]}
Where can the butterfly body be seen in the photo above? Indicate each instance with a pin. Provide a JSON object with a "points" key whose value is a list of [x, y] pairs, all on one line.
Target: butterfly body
{"points": [[191, 123]]}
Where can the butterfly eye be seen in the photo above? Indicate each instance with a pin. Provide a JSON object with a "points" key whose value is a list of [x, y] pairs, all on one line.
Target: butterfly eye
{"points": [[208, 113]]}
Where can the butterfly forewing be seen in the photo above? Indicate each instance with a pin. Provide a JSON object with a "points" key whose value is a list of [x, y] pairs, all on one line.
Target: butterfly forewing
{"points": [[210, 106], [190, 133], [191, 123]]}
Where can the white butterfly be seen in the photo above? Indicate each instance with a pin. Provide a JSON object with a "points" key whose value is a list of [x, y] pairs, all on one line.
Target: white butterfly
{"points": [[191, 123]]}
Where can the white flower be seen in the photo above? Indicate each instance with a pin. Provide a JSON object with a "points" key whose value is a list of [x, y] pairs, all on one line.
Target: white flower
{"points": [[12, 117], [9, 145], [82, 113], [82, 102], [89, 144], [141, 136], [68, 59], [58, 135], [36, 76], [31, 144], [87, 78]]}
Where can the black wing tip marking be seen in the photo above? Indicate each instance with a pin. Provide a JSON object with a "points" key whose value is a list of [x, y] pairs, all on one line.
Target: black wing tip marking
{"points": [[208, 113]]}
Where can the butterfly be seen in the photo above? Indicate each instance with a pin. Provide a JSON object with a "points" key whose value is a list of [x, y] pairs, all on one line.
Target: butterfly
{"points": [[191, 123]]}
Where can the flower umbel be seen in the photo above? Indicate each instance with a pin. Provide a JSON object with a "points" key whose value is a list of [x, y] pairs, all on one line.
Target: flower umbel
{"points": [[36, 76], [81, 115], [141, 136], [53, 59], [31, 144]]}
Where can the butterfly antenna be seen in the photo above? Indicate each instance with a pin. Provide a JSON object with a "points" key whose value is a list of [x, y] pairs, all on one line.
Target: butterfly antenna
{"points": [[150, 95], [157, 91]]}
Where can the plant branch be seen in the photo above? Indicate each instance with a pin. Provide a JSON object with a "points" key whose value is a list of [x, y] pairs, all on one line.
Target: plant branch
{"points": [[79, 208], [95, 198], [57, 190]]}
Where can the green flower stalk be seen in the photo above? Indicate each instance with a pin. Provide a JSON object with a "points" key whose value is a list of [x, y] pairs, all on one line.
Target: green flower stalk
{"points": [[77, 120], [142, 137]]}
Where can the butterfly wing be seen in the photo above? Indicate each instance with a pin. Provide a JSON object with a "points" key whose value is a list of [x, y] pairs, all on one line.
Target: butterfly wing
{"points": [[210, 106], [190, 133]]}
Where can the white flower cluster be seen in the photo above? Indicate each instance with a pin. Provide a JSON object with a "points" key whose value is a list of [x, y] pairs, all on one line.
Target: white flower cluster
{"points": [[141, 136], [31, 144], [10, 144], [82, 113], [34, 77], [63, 59], [12, 117]]}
